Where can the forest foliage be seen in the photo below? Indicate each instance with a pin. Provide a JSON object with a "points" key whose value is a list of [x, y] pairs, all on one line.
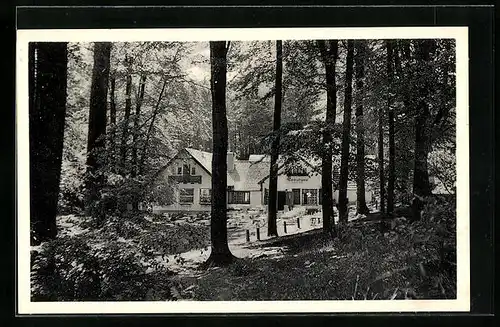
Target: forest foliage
{"points": [[176, 97], [394, 116]]}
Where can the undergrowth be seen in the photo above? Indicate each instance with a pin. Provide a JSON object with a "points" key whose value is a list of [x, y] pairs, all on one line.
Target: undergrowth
{"points": [[116, 262], [408, 261]]}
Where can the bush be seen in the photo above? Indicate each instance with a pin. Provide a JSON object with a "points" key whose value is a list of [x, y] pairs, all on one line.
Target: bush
{"points": [[416, 258], [175, 239], [68, 269]]}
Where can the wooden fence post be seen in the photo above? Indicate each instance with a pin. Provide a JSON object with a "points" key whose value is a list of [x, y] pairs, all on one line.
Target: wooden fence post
{"points": [[248, 235], [284, 226], [298, 223], [258, 234]]}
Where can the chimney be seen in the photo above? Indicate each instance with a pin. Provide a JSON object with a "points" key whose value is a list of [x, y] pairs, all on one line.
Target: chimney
{"points": [[230, 161]]}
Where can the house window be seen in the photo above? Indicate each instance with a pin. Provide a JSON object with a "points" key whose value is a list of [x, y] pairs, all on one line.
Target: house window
{"points": [[205, 195], [186, 169], [238, 197], [186, 195], [310, 196], [193, 171], [296, 196], [179, 170], [296, 171]]}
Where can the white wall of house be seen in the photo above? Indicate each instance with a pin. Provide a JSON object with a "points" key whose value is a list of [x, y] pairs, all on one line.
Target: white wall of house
{"points": [[314, 182], [285, 183], [352, 194], [302, 182], [255, 201], [206, 183]]}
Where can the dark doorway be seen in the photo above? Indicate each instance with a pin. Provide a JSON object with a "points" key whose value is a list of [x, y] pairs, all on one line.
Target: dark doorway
{"points": [[281, 200]]}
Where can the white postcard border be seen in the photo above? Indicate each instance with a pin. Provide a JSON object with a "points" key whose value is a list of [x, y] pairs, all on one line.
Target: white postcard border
{"points": [[25, 306]]}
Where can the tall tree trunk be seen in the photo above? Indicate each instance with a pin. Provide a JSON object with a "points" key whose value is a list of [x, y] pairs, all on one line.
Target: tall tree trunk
{"points": [[126, 119], [220, 253], [96, 146], [112, 123], [135, 134], [346, 130], [381, 173], [272, 229], [48, 62], [361, 206], [405, 172], [421, 185], [392, 148], [329, 57]]}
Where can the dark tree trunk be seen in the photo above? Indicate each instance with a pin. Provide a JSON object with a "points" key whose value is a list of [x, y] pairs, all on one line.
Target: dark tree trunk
{"points": [[329, 57], [96, 145], [405, 177], [220, 254], [381, 173], [392, 148], [361, 206], [126, 119], [135, 135], [272, 229], [346, 130], [48, 64], [421, 185], [112, 124]]}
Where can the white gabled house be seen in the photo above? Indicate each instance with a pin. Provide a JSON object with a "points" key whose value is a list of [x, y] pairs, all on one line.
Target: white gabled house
{"points": [[299, 183], [190, 172]]}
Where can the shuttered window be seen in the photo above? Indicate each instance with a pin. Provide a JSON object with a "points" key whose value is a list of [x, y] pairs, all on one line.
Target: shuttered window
{"points": [[205, 195], [309, 196], [186, 195], [238, 197]]}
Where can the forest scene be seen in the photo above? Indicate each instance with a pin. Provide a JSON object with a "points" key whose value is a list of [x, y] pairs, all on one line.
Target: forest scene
{"points": [[243, 170]]}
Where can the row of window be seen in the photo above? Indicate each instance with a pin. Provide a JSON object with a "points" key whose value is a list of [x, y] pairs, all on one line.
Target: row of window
{"points": [[296, 171], [186, 196], [309, 196], [186, 170], [296, 196]]}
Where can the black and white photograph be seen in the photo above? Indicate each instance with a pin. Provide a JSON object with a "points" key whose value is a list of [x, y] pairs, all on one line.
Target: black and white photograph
{"points": [[243, 170]]}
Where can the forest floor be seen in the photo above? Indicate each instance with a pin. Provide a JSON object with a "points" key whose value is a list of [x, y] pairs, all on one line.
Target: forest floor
{"points": [[133, 259], [309, 266]]}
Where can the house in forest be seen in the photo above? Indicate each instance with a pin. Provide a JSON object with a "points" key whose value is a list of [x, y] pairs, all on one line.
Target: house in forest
{"points": [[189, 172]]}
